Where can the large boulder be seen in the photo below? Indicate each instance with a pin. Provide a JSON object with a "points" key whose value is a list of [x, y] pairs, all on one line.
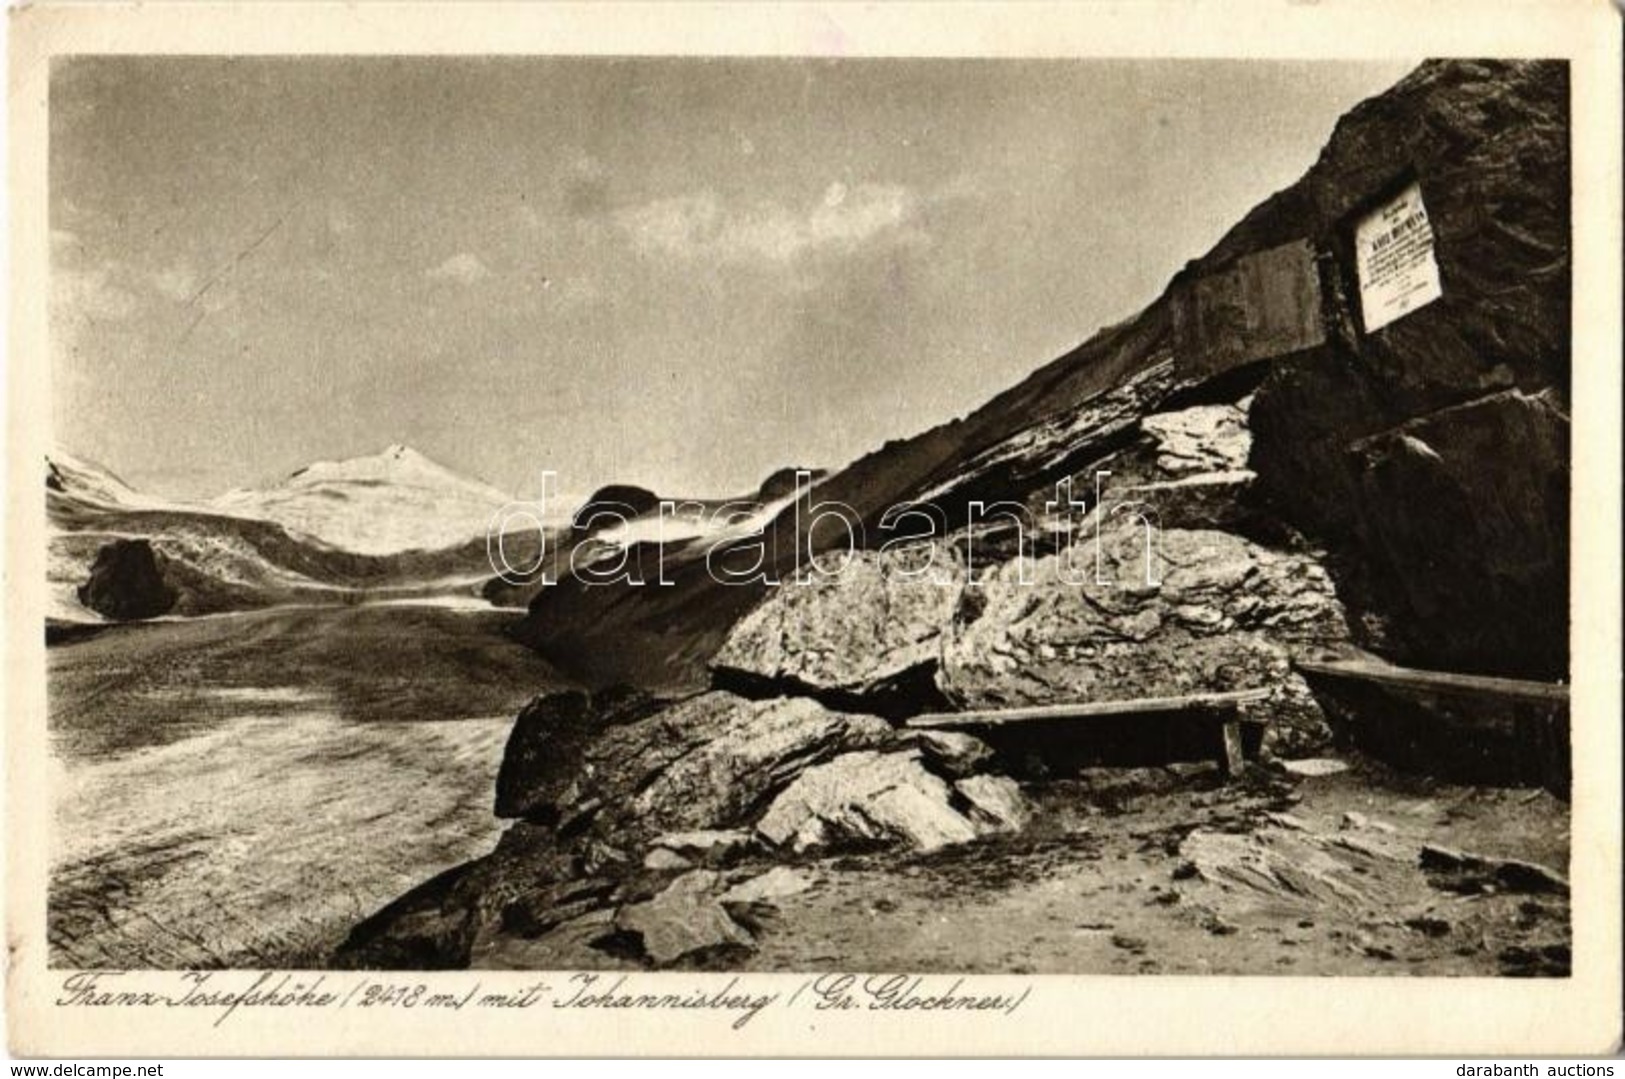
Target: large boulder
{"points": [[1163, 613], [868, 633], [595, 778], [700, 763], [736, 754], [548, 742], [127, 582], [1147, 613], [869, 799]]}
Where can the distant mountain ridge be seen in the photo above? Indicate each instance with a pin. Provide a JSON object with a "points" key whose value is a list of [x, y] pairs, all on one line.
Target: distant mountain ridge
{"points": [[391, 525], [86, 481]]}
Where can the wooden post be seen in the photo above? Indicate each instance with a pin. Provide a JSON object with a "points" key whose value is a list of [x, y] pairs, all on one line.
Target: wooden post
{"points": [[1232, 757]]}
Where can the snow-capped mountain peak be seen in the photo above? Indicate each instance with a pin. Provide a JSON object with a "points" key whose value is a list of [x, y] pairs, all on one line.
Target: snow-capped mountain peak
{"points": [[79, 480], [394, 500]]}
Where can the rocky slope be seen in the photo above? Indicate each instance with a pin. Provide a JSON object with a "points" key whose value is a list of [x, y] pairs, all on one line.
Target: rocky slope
{"points": [[1470, 574], [1402, 489]]}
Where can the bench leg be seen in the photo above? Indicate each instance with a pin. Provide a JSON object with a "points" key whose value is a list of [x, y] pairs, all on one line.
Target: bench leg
{"points": [[1233, 759]]}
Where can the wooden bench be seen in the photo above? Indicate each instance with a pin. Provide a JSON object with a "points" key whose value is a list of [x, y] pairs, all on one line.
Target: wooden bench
{"points": [[1468, 728], [1223, 708], [1372, 670]]}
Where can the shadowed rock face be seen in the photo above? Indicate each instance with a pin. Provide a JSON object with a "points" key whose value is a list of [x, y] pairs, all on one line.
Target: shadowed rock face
{"points": [[1480, 554], [1337, 430], [127, 582]]}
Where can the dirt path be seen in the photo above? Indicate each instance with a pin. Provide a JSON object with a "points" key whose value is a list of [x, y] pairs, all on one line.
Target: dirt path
{"points": [[1145, 872]]}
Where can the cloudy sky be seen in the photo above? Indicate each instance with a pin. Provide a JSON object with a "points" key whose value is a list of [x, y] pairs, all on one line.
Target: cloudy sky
{"points": [[678, 273]]}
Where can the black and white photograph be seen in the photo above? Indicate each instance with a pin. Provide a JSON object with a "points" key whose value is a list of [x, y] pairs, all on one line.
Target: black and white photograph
{"points": [[876, 518]]}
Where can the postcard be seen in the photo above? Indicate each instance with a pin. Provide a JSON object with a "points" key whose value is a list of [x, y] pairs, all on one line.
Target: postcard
{"points": [[814, 529]]}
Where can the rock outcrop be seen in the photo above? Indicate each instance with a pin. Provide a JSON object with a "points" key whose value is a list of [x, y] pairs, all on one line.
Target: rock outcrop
{"points": [[635, 808], [865, 799], [1137, 614], [127, 582], [700, 763], [1202, 438]]}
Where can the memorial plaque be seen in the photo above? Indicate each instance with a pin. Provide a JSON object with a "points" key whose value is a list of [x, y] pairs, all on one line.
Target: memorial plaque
{"points": [[1264, 305], [1393, 248]]}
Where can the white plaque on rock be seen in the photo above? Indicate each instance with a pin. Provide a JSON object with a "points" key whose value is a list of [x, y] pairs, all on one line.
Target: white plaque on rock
{"points": [[1394, 254]]}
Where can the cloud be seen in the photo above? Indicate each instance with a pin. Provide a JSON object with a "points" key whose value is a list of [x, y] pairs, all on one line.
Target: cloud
{"points": [[339, 219], [178, 283], [464, 268], [586, 187], [81, 292], [702, 227]]}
